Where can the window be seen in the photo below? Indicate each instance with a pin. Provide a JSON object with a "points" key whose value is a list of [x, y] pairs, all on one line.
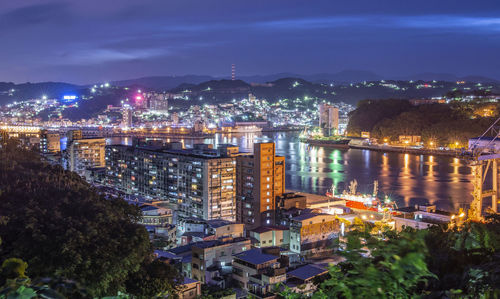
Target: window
{"points": [[268, 199]]}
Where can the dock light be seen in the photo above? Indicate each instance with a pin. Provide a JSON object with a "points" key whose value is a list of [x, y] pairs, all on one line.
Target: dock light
{"points": [[385, 140], [406, 141], [452, 217], [461, 215], [364, 217], [431, 143]]}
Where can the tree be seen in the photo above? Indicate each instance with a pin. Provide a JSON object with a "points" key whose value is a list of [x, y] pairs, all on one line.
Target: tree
{"points": [[386, 264], [154, 279], [62, 227]]}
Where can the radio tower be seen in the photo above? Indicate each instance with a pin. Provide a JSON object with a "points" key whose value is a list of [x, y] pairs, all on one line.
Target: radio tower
{"points": [[233, 72]]}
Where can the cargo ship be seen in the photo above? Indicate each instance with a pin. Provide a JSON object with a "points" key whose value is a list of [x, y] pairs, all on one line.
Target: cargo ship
{"points": [[359, 201], [336, 141]]}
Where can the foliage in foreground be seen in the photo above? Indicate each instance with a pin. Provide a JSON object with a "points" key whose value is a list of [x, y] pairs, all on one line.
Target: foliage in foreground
{"points": [[54, 224], [434, 263]]}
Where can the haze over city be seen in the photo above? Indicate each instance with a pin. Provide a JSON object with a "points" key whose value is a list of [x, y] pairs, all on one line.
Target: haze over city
{"points": [[93, 41]]}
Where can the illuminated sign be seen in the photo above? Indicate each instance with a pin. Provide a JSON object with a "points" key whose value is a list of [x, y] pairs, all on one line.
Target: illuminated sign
{"points": [[69, 98]]}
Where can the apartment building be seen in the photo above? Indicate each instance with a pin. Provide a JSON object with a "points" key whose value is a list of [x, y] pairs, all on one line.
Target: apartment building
{"points": [[50, 142], [201, 181], [212, 260], [260, 179], [82, 153], [311, 233]]}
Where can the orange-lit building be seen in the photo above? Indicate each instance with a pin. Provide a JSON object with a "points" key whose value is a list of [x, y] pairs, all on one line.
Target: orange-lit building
{"points": [[260, 178]]}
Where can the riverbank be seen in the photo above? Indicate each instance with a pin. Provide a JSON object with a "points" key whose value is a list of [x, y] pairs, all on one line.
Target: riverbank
{"points": [[406, 150]]}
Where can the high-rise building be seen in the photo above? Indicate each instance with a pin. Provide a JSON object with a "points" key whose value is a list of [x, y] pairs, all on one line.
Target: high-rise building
{"points": [[157, 102], [260, 178], [127, 117], [50, 143], [329, 119], [200, 181], [82, 153]]}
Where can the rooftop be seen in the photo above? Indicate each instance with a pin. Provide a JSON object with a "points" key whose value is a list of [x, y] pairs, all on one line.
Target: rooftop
{"points": [[307, 272], [306, 216], [194, 234], [190, 152], [214, 243], [255, 256], [215, 223], [263, 229]]}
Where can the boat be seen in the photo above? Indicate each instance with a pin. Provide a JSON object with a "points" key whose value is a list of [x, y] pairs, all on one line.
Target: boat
{"points": [[342, 143], [335, 141], [369, 202]]}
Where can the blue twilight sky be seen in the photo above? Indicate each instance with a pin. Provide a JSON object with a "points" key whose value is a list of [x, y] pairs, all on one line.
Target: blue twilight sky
{"points": [[84, 41]]}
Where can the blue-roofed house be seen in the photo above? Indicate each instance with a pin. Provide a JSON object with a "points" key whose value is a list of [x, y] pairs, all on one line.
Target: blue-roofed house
{"points": [[258, 270], [301, 280], [189, 289]]}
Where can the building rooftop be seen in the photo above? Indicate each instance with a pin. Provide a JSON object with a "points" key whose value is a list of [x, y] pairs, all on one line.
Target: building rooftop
{"points": [[190, 152], [305, 216], [215, 223], [195, 234], [188, 280], [255, 256], [307, 272], [263, 229], [214, 243], [164, 254]]}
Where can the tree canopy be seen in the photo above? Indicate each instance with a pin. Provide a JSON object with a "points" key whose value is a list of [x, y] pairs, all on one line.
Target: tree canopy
{"points": [[441, 123], [459, 262], [62, 227]]}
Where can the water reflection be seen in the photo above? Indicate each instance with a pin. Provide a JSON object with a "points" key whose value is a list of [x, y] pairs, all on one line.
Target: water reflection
{"points": [[409, 179]]}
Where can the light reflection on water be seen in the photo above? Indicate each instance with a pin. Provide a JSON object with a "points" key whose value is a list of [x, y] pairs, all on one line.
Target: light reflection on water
{"points": [[409, 179]]}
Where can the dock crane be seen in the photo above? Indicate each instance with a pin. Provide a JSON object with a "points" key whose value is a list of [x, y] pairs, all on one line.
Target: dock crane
{"points": [[483, 155]]}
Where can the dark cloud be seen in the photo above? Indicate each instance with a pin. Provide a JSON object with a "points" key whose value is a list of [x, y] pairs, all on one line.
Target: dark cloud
{"points": [[56, 12]]}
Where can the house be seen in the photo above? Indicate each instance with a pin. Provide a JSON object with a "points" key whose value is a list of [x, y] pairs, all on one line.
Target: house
{"points": [[155, 215], [313, 233], [420, 217], [302, 280], [259, 269], [223, 228], [189, 289], [212, 260], [268, 236]]}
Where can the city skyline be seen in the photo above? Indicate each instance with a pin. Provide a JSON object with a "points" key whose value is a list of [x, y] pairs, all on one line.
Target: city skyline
{"points": [[92, 41]]}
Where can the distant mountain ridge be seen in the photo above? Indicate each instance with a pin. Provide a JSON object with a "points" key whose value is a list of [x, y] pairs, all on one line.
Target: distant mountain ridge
{"points": [[342, 77], [339, 85]]}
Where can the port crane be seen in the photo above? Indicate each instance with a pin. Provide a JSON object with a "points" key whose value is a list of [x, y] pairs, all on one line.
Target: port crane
{"points": [[483, 155]]}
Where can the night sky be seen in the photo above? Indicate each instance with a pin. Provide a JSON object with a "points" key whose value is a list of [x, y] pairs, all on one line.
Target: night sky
{"points": [[93, 41]]}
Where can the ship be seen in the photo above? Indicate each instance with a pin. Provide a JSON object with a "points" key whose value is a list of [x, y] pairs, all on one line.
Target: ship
{"points": [[341, 143], [369, 202], [336, 141]]}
